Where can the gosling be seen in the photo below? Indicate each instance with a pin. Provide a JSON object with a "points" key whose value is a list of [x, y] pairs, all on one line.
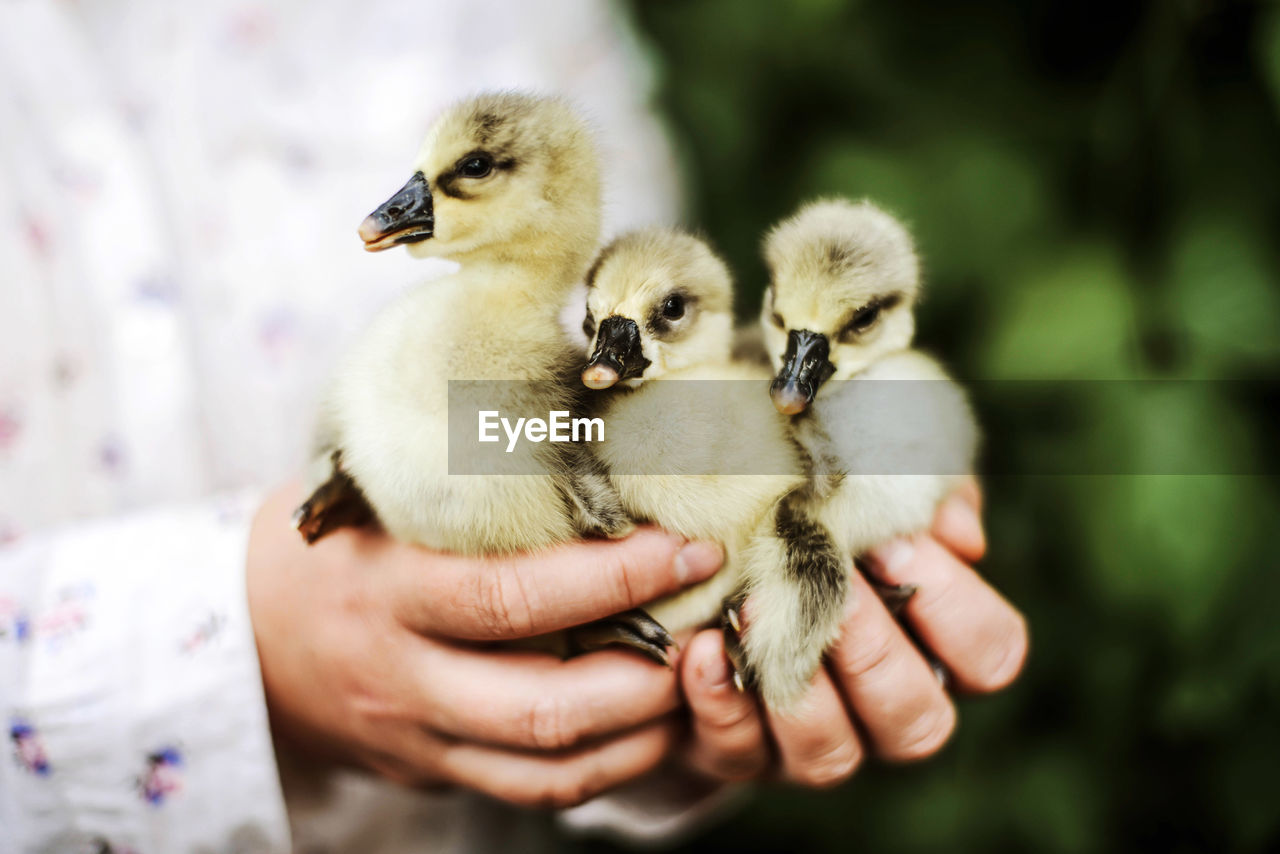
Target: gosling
{"points": [[507, 185], [839, 312], [708, 458]]}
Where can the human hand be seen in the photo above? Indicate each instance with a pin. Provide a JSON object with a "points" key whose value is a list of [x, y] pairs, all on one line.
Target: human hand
{"points": [[368, 657], [877, 690]]}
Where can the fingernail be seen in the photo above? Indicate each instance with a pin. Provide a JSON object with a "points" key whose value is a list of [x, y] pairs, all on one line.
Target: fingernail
{"points": [[697, 561], [894, 555]]}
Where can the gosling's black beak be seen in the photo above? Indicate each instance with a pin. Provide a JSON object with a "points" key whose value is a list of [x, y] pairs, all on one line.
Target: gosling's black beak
{"points": [[406, 217], [617, 354], [805, 368]]}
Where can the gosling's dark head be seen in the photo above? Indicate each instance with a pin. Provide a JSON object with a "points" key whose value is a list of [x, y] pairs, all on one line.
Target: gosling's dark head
{"points": [[844, 282], [658, 300], [502, 172]]}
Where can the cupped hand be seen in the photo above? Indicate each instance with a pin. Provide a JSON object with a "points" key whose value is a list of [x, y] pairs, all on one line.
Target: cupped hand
{"points": [[878, 693], [368, 656]]}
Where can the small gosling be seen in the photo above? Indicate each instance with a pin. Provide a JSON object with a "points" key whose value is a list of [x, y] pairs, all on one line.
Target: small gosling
{"points": [[708, 459], [844, 282]]}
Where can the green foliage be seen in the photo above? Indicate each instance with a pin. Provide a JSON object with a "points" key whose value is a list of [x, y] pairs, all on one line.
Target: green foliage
{"points": [[1223, 294], [1084, 294], [1095, 189]]}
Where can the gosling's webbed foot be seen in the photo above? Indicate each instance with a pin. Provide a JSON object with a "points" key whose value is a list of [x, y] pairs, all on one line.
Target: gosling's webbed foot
{"points": [[633, 629], [336, 503], [894, 596]]}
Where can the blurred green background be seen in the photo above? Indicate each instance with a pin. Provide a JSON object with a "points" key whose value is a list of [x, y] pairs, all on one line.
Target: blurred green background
{"points": [[1095, 188]]}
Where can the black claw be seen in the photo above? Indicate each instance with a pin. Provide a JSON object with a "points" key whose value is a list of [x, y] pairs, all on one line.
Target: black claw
{"points": [[633, 629]]}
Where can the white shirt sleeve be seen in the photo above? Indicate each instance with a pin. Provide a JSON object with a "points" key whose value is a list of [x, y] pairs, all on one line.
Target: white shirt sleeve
{"points": [[160, 341], [133, 710]]}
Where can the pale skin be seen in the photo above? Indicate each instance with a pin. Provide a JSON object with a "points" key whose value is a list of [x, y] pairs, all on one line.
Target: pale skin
{"points": [[381, 655]]}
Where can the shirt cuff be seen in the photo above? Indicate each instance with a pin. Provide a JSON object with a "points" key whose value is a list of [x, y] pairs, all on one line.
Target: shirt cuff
{"points": [[136, 711]]}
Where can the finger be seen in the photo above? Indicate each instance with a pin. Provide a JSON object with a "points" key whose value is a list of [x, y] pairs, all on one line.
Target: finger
{"points": [[817, 744], [530, 700], [958, 526], [523, 595], [564, 780], [890, 688], [728, 733], [974, 631]]}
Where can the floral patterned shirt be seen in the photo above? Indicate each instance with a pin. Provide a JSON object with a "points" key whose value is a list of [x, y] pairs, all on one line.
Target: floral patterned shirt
{"points": [[179, 188]]}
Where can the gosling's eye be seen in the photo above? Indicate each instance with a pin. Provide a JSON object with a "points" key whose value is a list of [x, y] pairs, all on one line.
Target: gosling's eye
{"points": [[589, 326], [864, 318], [673, 308], [475, 167], [777, 320]]}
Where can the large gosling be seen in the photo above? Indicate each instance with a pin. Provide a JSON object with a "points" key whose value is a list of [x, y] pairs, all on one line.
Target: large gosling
{"points": [[507, 185]]}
